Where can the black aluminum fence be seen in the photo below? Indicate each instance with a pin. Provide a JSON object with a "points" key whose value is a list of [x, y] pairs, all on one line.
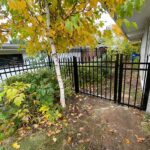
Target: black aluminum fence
{"points": [[15, 67], [115, 78]]}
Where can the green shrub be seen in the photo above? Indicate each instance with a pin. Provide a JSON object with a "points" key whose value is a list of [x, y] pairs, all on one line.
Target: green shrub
{"points": [[11, 99], [43, 83], [28, 99]]}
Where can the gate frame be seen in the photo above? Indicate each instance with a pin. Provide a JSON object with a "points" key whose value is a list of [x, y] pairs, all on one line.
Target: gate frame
{"points": [[118, 81]]}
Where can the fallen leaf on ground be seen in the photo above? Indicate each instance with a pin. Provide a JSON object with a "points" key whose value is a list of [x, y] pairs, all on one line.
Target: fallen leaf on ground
{"points": [[85, 98], [87, 140], [89, 107], [50, 133], [74, 121], [78, 134], [35, 126], [112, 131], [15, 145], [139, 139], [72, 114], [69, 139], [43, 122], [81, 129], [57, 131], [81, 141], [80, 115], [54, 139], [127, 141], [80, 99], [49, 123]]}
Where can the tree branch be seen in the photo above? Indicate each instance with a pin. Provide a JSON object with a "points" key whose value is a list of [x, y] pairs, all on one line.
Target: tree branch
{"points": [[60, 8], [73, 10], [32, 13]]}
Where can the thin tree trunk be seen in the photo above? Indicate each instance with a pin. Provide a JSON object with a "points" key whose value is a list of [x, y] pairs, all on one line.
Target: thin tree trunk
{"points": [[55, 59]]}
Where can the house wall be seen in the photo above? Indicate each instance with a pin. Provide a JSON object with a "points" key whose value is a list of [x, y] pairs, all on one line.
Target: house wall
{"points": [[24, 56], [69, 55], [145, 54]]}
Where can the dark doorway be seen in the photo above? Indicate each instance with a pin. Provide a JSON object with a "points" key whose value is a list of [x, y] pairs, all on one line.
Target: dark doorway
{"points": [[11, 59]]}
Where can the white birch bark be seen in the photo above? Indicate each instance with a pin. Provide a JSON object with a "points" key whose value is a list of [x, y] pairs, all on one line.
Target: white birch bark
{"points": [[55, 59]]}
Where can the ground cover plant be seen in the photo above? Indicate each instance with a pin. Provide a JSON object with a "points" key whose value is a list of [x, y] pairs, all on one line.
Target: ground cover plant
{"points": [[27, 100]]}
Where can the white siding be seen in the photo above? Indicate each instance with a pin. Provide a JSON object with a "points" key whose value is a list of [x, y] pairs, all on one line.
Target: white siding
{"points": [[145, 51]]}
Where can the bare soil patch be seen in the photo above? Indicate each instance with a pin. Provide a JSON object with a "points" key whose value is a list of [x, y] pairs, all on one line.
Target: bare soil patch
{"points": [[92, 124]]}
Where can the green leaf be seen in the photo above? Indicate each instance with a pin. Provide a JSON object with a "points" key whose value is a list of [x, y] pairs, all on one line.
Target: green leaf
{"points": [[101, 24], [134, 24], [2, 95], [2, 136], [68, 26], [127, 24], [43, 92], [2, 116], [18, 100], [74, 21], [138, 4]]}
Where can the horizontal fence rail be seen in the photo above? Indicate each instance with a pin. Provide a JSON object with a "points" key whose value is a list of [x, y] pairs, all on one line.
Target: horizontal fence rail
{"points": [[16, 68], [112, 77]]}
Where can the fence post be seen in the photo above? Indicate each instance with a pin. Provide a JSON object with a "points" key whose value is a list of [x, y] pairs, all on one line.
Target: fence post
{"points": [[116, 78], [147, 89], [82, 54], [49, 61], [120, 78], [96, 52], [76, 81]]}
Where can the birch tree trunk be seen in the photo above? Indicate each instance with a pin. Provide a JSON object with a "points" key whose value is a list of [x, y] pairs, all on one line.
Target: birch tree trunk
{"points": [[55, 59]]}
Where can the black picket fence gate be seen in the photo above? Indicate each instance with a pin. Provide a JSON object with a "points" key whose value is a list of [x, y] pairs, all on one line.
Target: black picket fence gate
{"points": [[115, 78]]}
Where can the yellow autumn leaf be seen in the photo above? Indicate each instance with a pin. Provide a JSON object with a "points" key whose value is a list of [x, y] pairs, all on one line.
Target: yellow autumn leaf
{"points": [[54, 139], [21, 5], [117, 30], [69, 140], [54, 5], [120, 1], [89, 13], [93, 3], [127, 141], [11, 94], [44, 109], [40, 18], [52, 33], [11, 4], [16, 145], [61, 26]]}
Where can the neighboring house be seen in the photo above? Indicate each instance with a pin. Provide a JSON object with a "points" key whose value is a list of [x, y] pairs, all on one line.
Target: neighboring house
{"points": [[142, 33], [84, 52], [10, 53]]}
